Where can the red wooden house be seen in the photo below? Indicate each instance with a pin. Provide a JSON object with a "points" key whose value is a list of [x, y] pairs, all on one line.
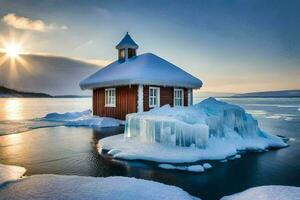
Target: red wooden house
{"points": [[137, 83]]}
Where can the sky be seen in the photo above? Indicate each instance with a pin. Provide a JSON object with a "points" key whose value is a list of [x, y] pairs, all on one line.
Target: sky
{"points": [[232, 46]]}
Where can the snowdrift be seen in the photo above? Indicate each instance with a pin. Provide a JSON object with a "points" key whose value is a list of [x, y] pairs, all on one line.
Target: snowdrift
{"points": [[210, 130], [10, 173], [84, 118], [270, 192], [82, 187]]}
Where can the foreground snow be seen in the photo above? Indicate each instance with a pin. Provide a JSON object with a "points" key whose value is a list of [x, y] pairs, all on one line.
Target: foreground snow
{"points": [[210, 130], [79, 187], [84, 118], [273, 192], [47, 187], [10, 173]]}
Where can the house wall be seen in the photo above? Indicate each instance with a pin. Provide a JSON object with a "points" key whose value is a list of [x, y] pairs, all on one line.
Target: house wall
{"points": [[126, 102], [166, 96]]}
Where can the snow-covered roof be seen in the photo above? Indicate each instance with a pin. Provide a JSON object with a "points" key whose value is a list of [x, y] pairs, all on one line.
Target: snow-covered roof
{"points": [[145, 69], [127, 42]]}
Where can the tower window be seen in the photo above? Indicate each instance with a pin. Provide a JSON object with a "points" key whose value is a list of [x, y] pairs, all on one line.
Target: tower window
{"points": [[122, 54], [131, 53]]}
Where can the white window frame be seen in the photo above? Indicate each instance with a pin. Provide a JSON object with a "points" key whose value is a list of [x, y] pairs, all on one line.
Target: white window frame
{"points": [[157, 97], [110, 97], [175, 97]]}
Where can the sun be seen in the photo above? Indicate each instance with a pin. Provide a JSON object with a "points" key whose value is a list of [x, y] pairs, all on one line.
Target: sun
{"points": [[12, 49]]}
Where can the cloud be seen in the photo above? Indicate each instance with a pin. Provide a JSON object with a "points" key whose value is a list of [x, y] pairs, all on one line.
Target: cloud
{"points": [[25, 23]]}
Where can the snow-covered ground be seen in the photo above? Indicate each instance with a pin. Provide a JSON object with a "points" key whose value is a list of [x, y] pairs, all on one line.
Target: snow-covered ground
{"points": [[272, 192], [84, 118], [10, 173], [123, 188], [80, 187], [210, 130]]}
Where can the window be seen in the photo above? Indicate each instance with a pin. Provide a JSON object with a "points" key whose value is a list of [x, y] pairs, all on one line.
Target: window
{"points": [[110, 97], [122, 54], [154, 97], [131, 53], [178, 97]]}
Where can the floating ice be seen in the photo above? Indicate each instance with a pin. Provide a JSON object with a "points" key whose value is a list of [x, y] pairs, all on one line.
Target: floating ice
{"points": [[207, 166], [165, 130], [68, 116], [193, 126], [84, 118], [191, 168], [210, 130], [274, 192]]}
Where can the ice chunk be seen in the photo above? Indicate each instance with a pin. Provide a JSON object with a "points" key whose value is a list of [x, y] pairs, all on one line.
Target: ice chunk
{"points": [[68, 116], [207, 166], [274, 192], [10, 172], [84, 118], [195, 168], [210, 130], [192, 126], [191, 168], [95, 121], [166, 130], [134, 149], [48, 187]]}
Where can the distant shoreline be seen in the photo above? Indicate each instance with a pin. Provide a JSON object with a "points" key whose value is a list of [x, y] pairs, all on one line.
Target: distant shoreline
{"points": [[51, 97]]}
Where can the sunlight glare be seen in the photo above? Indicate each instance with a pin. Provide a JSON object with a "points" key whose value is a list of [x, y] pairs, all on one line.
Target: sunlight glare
{"points": [[12, 49], [13, 109]]}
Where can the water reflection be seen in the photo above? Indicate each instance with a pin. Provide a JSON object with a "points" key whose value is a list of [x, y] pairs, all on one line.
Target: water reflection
{"points": [[12, 108]]}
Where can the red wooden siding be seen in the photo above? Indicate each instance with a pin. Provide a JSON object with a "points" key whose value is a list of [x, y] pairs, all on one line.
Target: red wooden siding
{"points": [[126, 102], [166, 96]]}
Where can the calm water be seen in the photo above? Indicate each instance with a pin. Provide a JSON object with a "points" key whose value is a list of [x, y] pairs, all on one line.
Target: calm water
{"points": [[65, 150]]}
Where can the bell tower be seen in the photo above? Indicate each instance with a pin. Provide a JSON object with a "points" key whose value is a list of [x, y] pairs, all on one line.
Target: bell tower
{"points": [[126, 48]]}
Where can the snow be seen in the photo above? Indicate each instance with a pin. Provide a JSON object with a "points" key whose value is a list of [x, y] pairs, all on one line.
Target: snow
{"points": [[144, 69], [10, 173], [79, 187], [210, 130], [191, 168], [272, 192], [84, 118]]}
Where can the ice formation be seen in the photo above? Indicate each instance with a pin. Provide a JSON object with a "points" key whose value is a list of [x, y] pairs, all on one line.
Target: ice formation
{"points": [[84, 118], [274, 192], [207, 166], [193, 126], [191, 168], [210, 130]]}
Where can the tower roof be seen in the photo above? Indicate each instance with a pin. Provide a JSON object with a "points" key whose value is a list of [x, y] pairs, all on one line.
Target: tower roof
{"points": [[127, 42]]}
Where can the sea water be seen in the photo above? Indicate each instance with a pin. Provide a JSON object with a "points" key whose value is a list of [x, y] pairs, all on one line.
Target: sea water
{"points": [[65, 150]]}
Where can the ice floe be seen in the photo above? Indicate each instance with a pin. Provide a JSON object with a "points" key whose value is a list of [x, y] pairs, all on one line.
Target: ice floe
{"points": [[271, 192], [190, 168], [84, 118], [210, 130], [207, 166]]}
